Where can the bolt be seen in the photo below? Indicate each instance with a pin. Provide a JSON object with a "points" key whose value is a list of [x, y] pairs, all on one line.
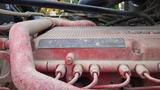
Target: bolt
{"points": [[69, 58], [137, 51], [69, 61]]}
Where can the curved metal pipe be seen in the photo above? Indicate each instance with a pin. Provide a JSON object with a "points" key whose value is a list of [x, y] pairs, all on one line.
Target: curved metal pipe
{"points": [[94, 82], [6, 27], [4, 56], [4, 88], [143, 72], [26, 14], [126, 82], [23, 72], [58, 76], [5, 75], [5, 69], [77, 72], [60, 71], [149, 77], [75, 78]]}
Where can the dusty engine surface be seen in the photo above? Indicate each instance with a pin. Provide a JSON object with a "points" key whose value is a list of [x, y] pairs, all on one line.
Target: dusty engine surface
{"points": [[79, 45], [107, 48]]}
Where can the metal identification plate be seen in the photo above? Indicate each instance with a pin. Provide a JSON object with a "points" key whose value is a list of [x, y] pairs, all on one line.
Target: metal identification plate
{"points": [[82, 43]]}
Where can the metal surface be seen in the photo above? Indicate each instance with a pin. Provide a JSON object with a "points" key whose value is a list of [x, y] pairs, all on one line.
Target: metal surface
{"points": [[140, 46], [23, 72], [141, 43], [82, 43], [96, 54], [145, 88], [108, 66]]}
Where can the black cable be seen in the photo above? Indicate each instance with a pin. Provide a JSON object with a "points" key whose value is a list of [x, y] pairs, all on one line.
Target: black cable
{"points": [[67, 6], [119, 20], [152, 6], [13, 8]]}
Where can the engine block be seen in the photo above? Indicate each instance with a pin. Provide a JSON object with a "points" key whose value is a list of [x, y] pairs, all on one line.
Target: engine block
{"points": [[105, 47]]}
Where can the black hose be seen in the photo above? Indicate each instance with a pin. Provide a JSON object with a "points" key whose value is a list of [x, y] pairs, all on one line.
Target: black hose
{"points": [[102, 3], [67, 6], [119, 20], [128, 18]]}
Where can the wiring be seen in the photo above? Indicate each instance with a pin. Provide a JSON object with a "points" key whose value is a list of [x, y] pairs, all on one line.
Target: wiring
{"points": [[152, 6], [125, 72], [126, 82], [58, 76], [75, 78], [26, 14], [87, 8], [93, 83], [6, 27], [149, 77], [77, 73]]}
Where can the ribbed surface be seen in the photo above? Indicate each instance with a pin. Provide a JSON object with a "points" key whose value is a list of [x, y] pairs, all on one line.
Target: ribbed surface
{"points": [[101, 32], [145, 35]]}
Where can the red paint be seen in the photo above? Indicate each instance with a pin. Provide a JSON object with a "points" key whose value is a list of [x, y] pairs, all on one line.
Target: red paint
{"points": [[3, 43], [4, 56], [23, 68], [141, 47], [24, 74]]}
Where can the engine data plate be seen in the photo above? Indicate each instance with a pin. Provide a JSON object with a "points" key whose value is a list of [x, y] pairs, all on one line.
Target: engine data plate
{"points": [[82, 43]]}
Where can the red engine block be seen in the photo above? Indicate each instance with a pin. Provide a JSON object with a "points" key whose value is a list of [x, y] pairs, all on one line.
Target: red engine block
{"points": [[78, 58], [106, 47]]}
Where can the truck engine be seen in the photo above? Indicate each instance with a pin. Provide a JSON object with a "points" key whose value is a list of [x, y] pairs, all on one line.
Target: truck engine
{"points": [[79, 45]]}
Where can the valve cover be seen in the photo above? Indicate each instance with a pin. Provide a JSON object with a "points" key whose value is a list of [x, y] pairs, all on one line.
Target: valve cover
{"points": [[112, 43], [107, 47]]}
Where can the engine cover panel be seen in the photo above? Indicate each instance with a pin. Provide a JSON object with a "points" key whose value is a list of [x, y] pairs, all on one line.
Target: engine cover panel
{"points": [[114, 43], [107, 47]]}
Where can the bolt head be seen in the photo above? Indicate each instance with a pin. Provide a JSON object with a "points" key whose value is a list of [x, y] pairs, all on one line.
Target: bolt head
{"points": [[69, 61]]}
